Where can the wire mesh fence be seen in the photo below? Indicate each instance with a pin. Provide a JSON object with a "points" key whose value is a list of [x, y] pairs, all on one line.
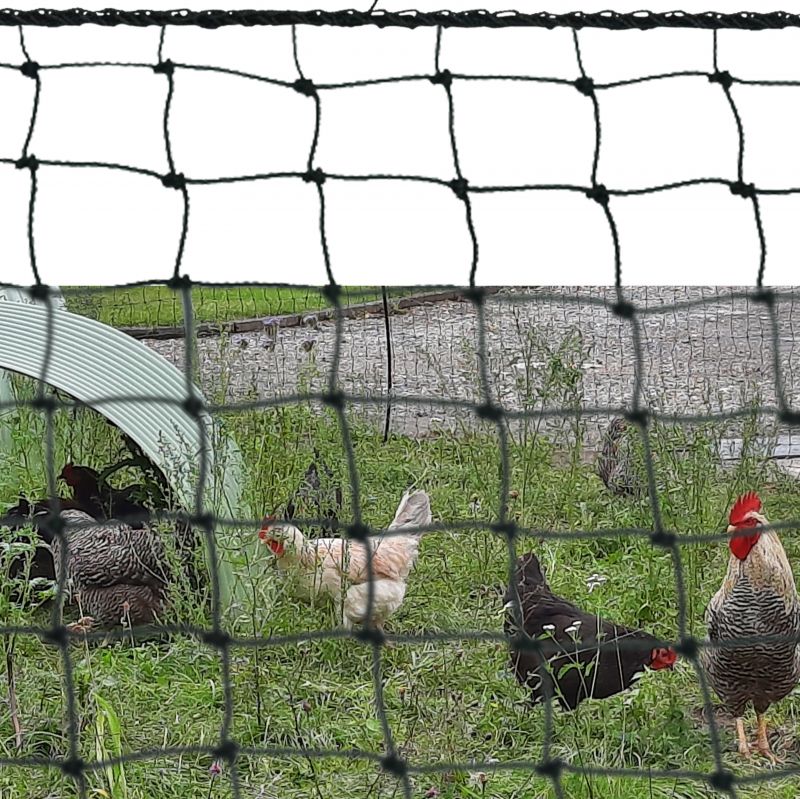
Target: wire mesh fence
{"points": [[489, 366]]}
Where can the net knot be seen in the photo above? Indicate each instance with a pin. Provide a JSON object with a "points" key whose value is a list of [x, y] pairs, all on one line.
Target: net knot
{"points": [[39, 291], [305, 87], [475, 294], [687, 648], [334, 399], [53, 523], [371, 635], [442, 78], [550, 768], [506, 529], [173, 180], [204, 520], [662, 538], [459, 187], [179, 282], [764, 296], [227, 750], [332, 292], [599, 194], [193, 406], [722, 780], [790, 417], [58, 636], [585, 86], [315, 175], [740, 189], [164, 68], [522, 641], [723, 78], [73, 766], [47, 404], [357, 531], [27, 162], [219, 639], [489, 412], [638, 417], [624, 309], [394, 765], [30, 69]]}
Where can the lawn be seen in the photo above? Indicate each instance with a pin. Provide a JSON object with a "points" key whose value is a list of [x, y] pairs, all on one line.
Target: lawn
{"points": [[447, 701], [158, 305]]}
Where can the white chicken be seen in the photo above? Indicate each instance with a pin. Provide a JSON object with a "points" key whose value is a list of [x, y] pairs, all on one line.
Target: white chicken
{"points": [[336, 568]]}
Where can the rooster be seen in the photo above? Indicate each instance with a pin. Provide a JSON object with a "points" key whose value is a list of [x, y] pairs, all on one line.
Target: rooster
{"points": [[337, 569], [584, 660], [757, 598], [117, 574]]}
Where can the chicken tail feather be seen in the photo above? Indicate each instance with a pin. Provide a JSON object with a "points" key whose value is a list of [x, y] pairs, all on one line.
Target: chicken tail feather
{"points": [[530, 577], [414, 510]]}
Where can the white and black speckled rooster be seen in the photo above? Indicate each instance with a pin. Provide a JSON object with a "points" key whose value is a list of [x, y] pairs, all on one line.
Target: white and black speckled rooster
{"points": [[757, 598], [116, 574]]}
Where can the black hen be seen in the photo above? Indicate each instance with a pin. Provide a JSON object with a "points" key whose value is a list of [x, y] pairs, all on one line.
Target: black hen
{"points": [[104, 502], [581, 658]]}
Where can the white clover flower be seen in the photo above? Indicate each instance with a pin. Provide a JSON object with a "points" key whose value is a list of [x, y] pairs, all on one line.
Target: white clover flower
{"points": [[595, 580], [477, 778]]}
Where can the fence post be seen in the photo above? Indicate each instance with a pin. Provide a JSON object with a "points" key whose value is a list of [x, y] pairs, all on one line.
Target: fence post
{"points": [[388, 326]]}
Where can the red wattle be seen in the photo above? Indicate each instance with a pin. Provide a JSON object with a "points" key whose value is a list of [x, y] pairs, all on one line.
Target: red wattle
{"points": [[741, 545], [276, 547]]}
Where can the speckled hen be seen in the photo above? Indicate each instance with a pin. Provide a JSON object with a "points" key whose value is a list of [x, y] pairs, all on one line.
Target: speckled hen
{"points": [[116, 574], [615, 463], [757, 598]]}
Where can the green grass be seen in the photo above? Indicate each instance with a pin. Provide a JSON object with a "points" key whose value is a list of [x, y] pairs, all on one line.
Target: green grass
{"points": [[151, 306], [446, 701]]}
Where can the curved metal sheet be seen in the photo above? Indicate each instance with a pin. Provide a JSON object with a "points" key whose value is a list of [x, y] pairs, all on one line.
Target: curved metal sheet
{"points": [[133, 387]]}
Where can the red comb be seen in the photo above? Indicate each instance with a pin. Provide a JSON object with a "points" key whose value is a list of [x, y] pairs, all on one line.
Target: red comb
{"points": [[745, 504]]}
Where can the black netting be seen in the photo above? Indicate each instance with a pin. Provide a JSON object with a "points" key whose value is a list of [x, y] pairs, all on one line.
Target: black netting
{"points": [[637, 327]]}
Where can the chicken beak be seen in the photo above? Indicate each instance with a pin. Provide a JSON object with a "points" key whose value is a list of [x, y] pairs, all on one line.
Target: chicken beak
{"points": [[731, 529]]}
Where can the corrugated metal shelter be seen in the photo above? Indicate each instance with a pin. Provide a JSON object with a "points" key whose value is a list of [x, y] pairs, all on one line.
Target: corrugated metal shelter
{"points": [[133, 387]]}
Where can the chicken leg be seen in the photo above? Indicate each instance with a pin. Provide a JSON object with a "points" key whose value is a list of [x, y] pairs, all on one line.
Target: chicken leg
{"points": [[744, 747], [762, 742], [82, 626]]}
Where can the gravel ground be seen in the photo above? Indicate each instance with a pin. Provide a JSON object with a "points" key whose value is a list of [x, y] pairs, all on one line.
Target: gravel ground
{"points": [[714, 355]]}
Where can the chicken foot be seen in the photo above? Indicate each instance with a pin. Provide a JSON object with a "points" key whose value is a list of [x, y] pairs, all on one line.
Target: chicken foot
{"points": [[82, 626], [762, 742], [744, 746]]}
